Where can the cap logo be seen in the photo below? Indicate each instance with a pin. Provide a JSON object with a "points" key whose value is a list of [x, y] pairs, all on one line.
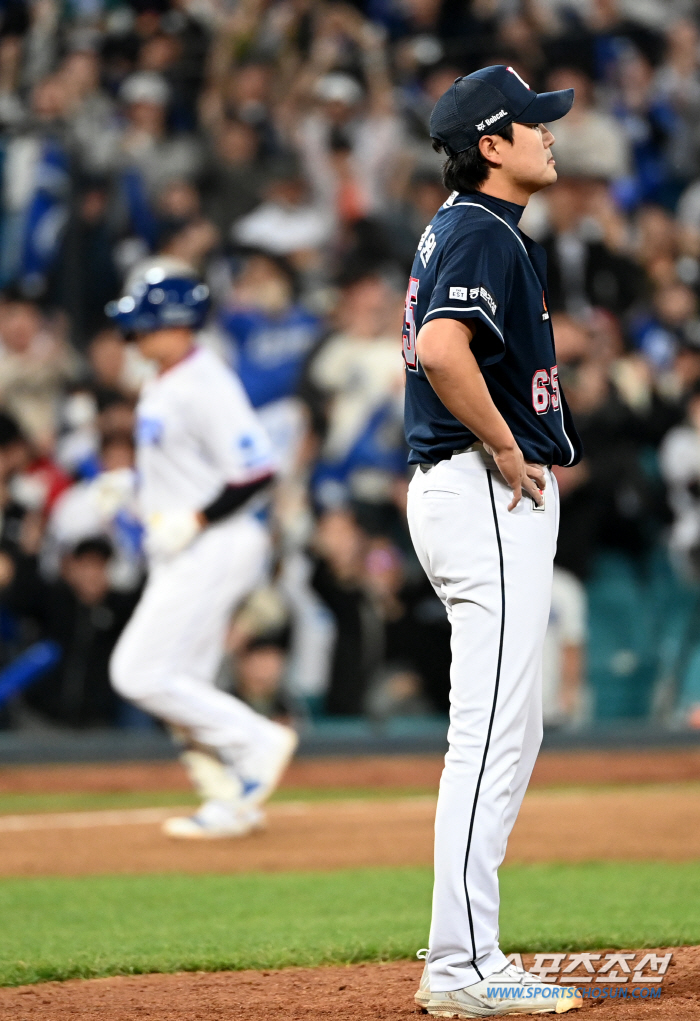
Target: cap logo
{"points": [[513, 71], [491, 120]]}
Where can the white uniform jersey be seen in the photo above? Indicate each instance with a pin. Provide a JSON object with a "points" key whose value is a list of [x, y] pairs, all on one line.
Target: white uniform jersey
{"points": [[196, 433]]}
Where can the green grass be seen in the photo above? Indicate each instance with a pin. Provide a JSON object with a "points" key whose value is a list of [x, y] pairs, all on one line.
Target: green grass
{"points": [[82, 801], [106, 925]]}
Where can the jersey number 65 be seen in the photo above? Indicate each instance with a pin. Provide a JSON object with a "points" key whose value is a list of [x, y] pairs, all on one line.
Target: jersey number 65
{"points": [[409, 331], [542, 396]]}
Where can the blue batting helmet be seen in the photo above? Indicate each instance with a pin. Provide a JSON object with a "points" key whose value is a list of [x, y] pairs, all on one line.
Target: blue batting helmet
{"points": [[159, 294]]}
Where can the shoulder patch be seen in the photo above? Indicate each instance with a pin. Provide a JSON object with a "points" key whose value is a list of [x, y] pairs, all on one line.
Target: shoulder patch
{"points": [[487, 297]]}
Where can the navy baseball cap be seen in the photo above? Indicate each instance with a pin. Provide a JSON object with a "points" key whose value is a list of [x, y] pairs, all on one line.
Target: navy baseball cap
{"points": [[488, 100]]}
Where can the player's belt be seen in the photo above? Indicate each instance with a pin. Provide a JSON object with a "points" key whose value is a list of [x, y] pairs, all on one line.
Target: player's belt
{"points": [[477, 447]]}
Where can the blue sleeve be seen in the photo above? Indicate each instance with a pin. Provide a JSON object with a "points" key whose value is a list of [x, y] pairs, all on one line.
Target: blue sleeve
{"points": [[471, 284]]}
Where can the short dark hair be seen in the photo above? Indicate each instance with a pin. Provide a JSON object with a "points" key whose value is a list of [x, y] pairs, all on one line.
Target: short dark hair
{"points": [[465, 171], [118, 437], [95, 546], [10, 432]]}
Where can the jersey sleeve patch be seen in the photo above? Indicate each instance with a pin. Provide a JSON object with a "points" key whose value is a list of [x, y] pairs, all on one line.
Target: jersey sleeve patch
{"points": [[479, 293]]}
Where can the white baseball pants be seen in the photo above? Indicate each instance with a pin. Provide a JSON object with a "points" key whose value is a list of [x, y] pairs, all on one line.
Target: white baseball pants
{"points": [[168, 655], [492, 568]]}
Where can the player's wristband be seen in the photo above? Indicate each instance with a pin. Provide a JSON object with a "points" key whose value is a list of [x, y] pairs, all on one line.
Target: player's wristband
{"points": [[231, 499]]}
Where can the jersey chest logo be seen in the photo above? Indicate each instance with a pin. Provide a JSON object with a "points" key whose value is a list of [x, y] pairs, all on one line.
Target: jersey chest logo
{"points": [[426, 245], [409, 325], [149, 431], [252, 452]]}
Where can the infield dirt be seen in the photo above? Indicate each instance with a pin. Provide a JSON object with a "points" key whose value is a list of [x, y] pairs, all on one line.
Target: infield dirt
{"points": [[606, 821], [553, 769], [662, 824]]}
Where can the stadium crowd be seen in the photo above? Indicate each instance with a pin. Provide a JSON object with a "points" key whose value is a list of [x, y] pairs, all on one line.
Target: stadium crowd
{"points": [[282, 148]]}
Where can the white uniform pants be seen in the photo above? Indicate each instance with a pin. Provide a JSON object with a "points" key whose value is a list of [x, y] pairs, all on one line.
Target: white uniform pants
{"points": [[168, 655], [493, 571]]}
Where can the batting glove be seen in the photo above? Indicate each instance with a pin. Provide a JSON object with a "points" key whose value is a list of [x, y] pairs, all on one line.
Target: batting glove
{"points": [[170, 532], [113, 490]]}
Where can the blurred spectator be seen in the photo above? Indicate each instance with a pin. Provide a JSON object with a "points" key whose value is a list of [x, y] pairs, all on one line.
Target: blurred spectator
{"points": [[116, 366], [338, 578], [78, 440], [415, 675], [583, 270], [36, 188], [260, 670], [355, 388], [243, 93], [270, 336], [563, 664], [101, 505], [350, 141], [14, 455], [648, 120], [657, 244], [678, 82], [407, 218], [115, 413], [235, 180], [680, 464], [269, 332], [35, 363], [589, 142], [607, 499], [85, 617], [290, 221], [32, 480], [658, 333], [91, 111], [146, 146], [85, 277], [256, 667], [11, 107]]}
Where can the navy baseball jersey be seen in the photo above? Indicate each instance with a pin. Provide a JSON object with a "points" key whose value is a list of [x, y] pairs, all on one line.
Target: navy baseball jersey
{"points": [[473, 263]]}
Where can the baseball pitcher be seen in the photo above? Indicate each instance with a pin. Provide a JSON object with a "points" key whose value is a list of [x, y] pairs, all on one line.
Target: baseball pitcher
{"points": [[485, 420]]}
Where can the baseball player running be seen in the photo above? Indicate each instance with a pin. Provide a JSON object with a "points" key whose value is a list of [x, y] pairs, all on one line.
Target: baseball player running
{"points": [[203, 460], [485, 420]]}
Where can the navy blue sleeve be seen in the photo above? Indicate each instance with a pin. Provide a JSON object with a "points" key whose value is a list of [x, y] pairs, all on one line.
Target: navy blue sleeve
{"points": [[471, 284]]}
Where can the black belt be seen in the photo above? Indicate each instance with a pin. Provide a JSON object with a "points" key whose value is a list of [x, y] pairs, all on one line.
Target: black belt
{"points": [[425, 467]]}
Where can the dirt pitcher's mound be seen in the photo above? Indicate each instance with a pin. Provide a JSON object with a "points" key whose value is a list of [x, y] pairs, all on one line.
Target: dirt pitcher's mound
{"points": [[361, 992]]}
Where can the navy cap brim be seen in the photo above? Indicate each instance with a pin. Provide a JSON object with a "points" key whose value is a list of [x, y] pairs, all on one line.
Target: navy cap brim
{"points": [[548, 106]]}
